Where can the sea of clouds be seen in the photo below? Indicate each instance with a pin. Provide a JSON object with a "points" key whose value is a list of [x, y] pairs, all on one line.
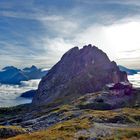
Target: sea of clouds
{"points": [[10, 94], [135, 79]]}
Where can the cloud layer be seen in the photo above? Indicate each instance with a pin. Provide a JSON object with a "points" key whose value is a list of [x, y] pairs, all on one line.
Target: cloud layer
{"points": [[9, 94], [135, 80], [39, 32]]}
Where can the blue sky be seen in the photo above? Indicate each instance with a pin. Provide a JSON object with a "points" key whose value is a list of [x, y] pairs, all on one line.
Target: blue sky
{"points": [[39, 31]]}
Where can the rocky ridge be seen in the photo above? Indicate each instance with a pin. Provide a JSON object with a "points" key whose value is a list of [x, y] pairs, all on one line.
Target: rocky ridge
{"points": [[80, 71]]}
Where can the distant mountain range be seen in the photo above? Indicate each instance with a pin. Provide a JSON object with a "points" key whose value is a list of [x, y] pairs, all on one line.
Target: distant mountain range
{"points": [[128, 71], [13, 75]]}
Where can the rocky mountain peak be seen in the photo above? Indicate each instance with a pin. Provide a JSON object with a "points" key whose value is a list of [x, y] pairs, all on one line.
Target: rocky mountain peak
{"points": [[71, 52], [88, 47], [79, 71]]}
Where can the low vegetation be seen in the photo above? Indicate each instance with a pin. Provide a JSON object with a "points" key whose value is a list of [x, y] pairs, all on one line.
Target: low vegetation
{"points": [[70, 122], [10, 131], [125, 134], [62, 131]]}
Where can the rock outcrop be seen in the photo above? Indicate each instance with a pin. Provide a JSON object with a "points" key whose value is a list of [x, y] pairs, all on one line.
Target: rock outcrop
{"points": [[28, 94], [10, 131], [79, 71]]}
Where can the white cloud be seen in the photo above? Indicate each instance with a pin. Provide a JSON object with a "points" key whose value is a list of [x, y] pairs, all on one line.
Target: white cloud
{"points": [[121, 2], [33, 84], [55, 48], [73, 27], [62, 27], [117, 40], [125, 2], [9, 94], [36, 15], [135, 79]]}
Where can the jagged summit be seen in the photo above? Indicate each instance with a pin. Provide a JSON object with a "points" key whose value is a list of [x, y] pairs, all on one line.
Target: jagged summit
{"points": [[85, 49], [79, 71]]}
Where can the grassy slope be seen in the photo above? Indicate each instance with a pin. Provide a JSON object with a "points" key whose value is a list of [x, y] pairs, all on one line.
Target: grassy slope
{"points": [[67, 130], [117, 124]]}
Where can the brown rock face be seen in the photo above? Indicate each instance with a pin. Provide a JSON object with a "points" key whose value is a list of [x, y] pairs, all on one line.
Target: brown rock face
{"points": [[79, 71]]}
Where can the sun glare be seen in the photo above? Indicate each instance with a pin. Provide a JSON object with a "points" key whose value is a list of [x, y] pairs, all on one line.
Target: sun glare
{"points": [[124, 38]]}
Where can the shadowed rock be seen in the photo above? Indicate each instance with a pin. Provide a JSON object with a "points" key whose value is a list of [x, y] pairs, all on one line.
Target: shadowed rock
{"points": [[79, 71]]}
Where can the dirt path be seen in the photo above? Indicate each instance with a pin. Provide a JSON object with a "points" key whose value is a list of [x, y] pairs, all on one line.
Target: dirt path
{"points": [[104, 130]]}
